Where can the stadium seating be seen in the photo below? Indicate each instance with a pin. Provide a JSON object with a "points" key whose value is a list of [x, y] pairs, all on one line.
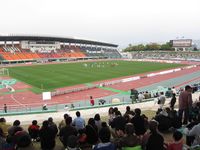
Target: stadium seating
{"points": [[165, 55], [16, 53]]}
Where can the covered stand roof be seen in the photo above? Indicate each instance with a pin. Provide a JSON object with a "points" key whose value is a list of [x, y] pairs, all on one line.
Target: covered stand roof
{"points": [[49, 38]]}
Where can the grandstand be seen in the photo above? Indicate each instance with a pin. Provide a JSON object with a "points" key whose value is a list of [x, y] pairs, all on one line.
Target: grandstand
{"points": [[166, 55], [16, 49]]}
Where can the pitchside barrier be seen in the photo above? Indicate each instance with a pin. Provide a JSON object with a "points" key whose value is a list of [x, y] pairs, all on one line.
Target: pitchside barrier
{"points": [[57, 93], [28, 109], [78, 105], [54, 107]]}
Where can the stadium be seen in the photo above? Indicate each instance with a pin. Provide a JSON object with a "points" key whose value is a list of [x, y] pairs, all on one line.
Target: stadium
{"points": [[128, 79], [42, 75], [33, 66]]}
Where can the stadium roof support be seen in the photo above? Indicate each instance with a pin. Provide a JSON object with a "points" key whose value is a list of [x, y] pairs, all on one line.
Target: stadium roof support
{"points": [[59, 39]]}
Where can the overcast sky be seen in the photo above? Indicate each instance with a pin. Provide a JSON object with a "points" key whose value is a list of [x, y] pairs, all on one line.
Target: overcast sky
{"points": [[116, 21]]}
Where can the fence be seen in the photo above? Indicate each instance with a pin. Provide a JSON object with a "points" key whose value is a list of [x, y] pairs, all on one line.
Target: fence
{"points": [[54, 107]]}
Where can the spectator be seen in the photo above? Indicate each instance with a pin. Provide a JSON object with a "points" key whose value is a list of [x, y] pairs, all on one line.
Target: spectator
{"points": [[155, 141], [185, 104], [47, 136], [129, 112], [79, 122], [164, 121], [195, 121], [147, 95], [195, 132], [127, 118], [34, 131], [82, 137], [176, 122], [62, 123], [91, 101], [91, 132], [2, 140], [178, 141], [173, 101], [105, 144], [161, 100], [98, 122], [10, 144], [102, 102], [111, 115], [53, 125], [138, 122], [91, 122], [174, 90], [66, 131], [44, 107], [5, 108], [11, 130], [4, 126], [119, 122], [141, 97], [130, 139], [72, 143], [23, 141]]}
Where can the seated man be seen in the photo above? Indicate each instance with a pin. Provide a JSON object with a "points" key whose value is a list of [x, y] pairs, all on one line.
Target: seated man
{"points": [[153, 140], [164, 121], [105, 144], [138, 122], [130, 139]]}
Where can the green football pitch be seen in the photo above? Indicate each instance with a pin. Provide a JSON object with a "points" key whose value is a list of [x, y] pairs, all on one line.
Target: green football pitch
{"points": [[52, 76]]}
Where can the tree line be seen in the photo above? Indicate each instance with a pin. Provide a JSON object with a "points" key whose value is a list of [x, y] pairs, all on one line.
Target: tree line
{"points": [[147, 47]]}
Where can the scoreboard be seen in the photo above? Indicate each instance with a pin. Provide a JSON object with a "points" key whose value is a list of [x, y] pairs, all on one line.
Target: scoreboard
{"points": [[181, 43]]}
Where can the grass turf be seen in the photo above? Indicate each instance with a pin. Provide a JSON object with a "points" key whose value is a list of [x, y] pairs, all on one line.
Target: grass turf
{"points": [[52, 76]]}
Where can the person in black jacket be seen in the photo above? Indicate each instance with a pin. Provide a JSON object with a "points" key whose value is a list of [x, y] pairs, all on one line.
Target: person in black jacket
{"points": [[67, 131], [91, 132], [138, 122], [47, 136], [155, 140], [118, 122], [173, 101]]}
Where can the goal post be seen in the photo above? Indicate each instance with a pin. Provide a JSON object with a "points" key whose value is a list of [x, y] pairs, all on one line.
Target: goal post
{"points": [[4, 72]]}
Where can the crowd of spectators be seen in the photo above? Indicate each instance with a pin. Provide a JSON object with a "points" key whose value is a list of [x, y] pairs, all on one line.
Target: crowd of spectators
{"points": [[129, 131], [165, 55]]}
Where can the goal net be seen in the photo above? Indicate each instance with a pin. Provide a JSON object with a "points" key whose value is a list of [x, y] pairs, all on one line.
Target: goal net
{"points": [[4, 72]]}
